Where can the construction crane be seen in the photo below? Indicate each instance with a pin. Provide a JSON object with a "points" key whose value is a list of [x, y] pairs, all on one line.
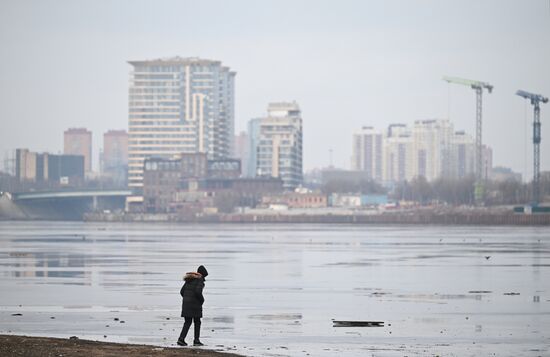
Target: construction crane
{"points": [[535, 101], [478, 87]]}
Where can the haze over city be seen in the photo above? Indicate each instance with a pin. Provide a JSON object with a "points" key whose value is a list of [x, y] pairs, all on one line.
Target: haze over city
{"points": [[348, 64], [290, 177]]}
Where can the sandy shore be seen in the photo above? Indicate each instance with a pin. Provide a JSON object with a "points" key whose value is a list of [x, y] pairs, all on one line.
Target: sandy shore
{"points": [[46, 347]]}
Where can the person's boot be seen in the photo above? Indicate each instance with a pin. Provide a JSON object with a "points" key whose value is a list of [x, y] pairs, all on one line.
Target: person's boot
{"points": [[181, 343], [197, 336]]}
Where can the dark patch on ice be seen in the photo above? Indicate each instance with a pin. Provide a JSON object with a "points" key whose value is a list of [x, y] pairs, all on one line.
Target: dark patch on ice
{"points": [[224, 319], [274, 317], [352, 264]]}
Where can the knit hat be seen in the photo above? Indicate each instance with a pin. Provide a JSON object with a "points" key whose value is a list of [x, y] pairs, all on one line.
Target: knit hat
{"points": [[202, 271]]}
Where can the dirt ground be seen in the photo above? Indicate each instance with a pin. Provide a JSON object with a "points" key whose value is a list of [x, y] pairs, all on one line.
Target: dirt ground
{"points": [[58, 347]]}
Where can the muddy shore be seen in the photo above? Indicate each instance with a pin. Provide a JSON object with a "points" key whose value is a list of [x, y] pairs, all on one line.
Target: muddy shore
{"points": [[45, 347]]}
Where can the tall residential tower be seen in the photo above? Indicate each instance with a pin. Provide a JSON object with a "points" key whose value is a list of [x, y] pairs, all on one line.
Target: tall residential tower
{"points": [[279, 145], [114, 158], [367, 152], [431, 155], [78, 141], [397, 154], [179, 105]]}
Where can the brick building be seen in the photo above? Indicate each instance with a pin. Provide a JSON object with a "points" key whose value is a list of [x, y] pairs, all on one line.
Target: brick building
{"points": [[297, 200], [193, 183]]}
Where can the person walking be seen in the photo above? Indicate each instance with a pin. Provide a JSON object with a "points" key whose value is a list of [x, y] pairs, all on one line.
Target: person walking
{"points": [[191, 306]]}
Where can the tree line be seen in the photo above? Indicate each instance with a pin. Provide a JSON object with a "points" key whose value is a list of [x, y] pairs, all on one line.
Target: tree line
{"points": [[444, 190]]}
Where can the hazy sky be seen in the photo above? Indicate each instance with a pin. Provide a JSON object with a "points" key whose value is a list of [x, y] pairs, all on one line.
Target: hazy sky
{"points": [[347, 63]]}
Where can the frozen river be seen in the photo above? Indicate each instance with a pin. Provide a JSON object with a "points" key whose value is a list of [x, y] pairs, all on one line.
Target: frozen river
{"points": [[273, 290]]}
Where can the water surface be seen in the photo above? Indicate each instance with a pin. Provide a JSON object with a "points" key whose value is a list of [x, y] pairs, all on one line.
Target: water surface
{"points": [[273, 290]]}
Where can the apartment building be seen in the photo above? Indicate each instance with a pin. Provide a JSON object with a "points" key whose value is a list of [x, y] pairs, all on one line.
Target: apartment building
{"points": [[279, 146], [179, 105], [367, 152]]}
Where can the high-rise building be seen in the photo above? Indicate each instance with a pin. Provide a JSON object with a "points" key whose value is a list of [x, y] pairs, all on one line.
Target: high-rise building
{"points": [[241, 150], [78, 141], [431, 154], [115, 150], [179, 105], [462, 155], [397, 154], [114, 157], [431, 149], [253, 137], [367, 152], [25, 165], [486, 161], [279, 150]]}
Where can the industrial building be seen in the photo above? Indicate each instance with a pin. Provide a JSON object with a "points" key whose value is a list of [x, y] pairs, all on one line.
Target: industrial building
{"points": [[192, 183], [32, 167]]}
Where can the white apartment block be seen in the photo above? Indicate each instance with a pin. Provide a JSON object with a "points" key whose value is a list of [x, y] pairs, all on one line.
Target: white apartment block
{"points": [[367, 152], [397, 154], [179, 105], [279, 145], [463, 155], [486, 161], [432, 148]]}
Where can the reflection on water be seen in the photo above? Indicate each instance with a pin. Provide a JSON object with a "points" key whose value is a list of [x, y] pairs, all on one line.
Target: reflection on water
{"points": [[52, 265], [274, 289]]}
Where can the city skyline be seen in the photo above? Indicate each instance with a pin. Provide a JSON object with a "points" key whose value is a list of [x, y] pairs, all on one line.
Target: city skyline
{"points": [[367, 61], [430, 148], [392, 148]]}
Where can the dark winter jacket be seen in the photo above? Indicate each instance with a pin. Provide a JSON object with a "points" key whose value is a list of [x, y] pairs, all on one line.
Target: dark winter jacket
{"points": [[191, 292]]}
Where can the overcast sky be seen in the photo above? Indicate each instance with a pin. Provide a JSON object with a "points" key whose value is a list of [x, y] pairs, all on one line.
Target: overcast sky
{"points": [[347, 63]]}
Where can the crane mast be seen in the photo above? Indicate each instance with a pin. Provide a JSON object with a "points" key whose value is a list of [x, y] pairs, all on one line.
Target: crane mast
{"points": [[535, 99], [478, 86]]}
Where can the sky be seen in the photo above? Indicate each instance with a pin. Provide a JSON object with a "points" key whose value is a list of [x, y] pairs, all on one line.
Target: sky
{"points": [[347, 63]]}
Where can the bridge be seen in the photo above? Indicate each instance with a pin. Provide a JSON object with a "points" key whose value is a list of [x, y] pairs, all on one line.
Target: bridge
{"points": [[23, 196], [62, 204]]}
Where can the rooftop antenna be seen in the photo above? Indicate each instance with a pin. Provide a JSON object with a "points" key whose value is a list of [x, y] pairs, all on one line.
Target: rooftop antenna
{"points": [[449, 100]]}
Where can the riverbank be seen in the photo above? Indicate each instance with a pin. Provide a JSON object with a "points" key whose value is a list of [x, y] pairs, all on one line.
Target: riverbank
{"points": [[11, 345], [474, 217]]}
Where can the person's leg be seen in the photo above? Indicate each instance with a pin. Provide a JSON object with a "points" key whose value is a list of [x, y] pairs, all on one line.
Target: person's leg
{"points": [[197, 324], [185, 329]]}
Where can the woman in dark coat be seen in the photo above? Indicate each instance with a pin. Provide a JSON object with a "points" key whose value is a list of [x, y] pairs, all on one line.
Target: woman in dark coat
{"points": [[191, 307]]}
